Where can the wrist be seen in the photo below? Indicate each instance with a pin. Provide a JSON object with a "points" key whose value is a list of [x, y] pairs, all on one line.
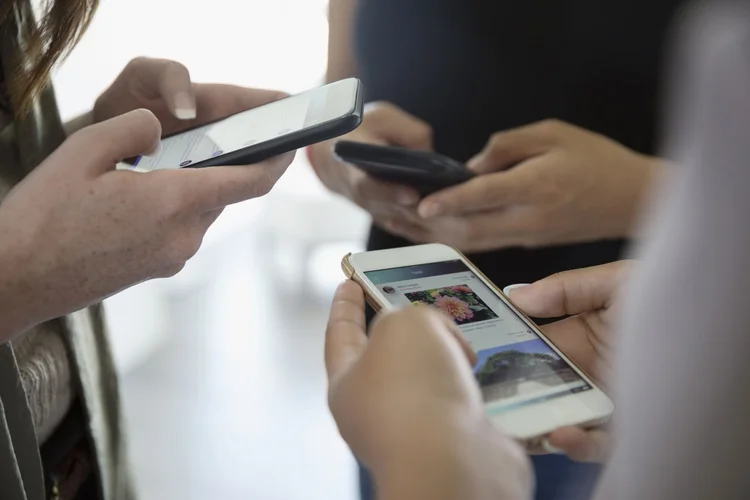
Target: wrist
{"points": [[467, 461], [18, 301], [12, 311]]}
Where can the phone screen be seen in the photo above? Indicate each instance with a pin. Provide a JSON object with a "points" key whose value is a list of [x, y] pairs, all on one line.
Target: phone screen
{"points": [[248, 128], [515, 367]]}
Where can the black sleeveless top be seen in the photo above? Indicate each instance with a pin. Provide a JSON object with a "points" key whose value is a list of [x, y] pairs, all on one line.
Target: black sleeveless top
{"points": [[474, 67]]}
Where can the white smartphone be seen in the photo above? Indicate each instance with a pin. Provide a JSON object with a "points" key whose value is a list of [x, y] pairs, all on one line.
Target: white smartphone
{"points": [[529, 387], [260, 133]]}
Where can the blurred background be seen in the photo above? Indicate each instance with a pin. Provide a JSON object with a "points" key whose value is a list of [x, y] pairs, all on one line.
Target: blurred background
{"points": [[222, 366]]}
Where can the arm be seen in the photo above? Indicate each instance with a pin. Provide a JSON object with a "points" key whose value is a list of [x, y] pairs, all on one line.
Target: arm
{"points": [[684, 404], [341, 59]]}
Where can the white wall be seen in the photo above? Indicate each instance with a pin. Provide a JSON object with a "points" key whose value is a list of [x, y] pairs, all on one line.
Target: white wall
{"points": [[278, 44]]}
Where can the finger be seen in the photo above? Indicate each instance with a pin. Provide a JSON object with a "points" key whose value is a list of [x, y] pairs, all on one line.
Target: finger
{"points": [[368, 190], [425, 326], [487, 231], [410, 231], [571, 292], [482, 193], [346, 339], [126, 136], [397, 127], [176, 89], [166, 80], [508, 148], [217, 101], [216, 187], [581, 445], [469, 352]]}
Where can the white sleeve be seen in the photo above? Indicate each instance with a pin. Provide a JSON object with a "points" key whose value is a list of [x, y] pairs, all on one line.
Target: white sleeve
{"points": [[683, 397]]}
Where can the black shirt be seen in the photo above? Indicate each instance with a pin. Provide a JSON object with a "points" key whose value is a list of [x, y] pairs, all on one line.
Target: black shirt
{"points": [[474, 67]]}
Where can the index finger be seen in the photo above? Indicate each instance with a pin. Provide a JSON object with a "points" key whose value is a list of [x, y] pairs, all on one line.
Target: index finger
{"points": [[345, 334], [216, 187], [482, 193]]}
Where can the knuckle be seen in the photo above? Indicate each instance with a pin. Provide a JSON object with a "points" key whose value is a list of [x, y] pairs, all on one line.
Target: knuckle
{"points": [[138, 62], [264, 184], [171, 270], [496, 139], [551, 128], [182, 248]]}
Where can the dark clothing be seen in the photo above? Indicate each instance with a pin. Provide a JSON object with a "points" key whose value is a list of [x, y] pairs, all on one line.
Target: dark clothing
{"points": [[474, 67]]}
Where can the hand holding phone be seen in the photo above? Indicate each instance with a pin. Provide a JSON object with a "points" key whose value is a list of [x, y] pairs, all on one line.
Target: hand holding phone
{"points": [[406, 394], [530, 388], [260, 133], [425, 171]]}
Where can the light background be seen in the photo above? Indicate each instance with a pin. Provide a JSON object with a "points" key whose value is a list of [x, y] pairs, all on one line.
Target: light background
{"points": [[223, 379]]}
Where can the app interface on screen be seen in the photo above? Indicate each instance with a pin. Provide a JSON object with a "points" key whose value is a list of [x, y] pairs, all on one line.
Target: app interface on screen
{"points": [[242, 130], [515, 366]]}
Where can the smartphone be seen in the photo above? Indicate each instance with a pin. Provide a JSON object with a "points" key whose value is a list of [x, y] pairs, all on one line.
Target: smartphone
{"points": [[260, 133], [529, 387], [423, 170]]}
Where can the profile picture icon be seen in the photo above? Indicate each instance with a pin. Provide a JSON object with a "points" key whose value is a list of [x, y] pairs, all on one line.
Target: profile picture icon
{"points": [[186, 163], [389, 290]]}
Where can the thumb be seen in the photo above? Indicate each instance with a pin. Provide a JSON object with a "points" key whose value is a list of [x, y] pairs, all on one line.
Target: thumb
{"points": [[168, 80], [126, 136], [511, 147], [176, 90], [346, 339], [571, 292]]}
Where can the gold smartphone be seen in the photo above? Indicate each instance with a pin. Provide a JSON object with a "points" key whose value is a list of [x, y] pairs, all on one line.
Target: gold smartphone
{"points": [[530, 388]]}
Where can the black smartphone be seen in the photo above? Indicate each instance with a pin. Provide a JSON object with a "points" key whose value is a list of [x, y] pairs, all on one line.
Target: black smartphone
{"points": [[423, 170], [260, 133]]}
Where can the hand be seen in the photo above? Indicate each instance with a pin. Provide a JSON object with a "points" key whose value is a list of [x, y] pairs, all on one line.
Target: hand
{"points": [[164, 87], [409, 406], [588, 297], [544, 184], [388, 203], [76, 230]]}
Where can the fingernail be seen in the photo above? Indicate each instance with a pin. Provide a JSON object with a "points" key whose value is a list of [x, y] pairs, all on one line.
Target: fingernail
{"points": [[406, 198], [156, 150], [184, 106], [549, 448], [510, 288], [430, 209], [474, 163]]}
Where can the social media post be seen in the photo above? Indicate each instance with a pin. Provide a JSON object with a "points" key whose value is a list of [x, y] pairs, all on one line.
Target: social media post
{"points": [[524, 372], [236, 132], [514, 365], [483, 317]]}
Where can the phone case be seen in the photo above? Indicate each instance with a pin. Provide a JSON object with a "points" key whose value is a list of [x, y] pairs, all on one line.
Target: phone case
{"points": [[291, 142], [533, 445], [424, 170]]}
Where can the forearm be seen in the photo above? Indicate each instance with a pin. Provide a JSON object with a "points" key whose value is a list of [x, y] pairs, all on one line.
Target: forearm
{"points": [[79, 122], [18, 309]]}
